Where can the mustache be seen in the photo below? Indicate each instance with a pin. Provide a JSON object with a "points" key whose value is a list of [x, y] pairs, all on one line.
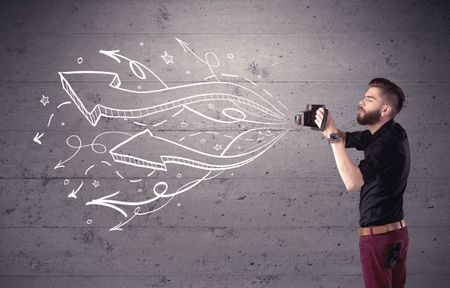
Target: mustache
{"points": [[361, 109]]}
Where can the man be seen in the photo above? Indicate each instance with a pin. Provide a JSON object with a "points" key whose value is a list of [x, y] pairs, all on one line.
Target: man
{"points": [[381, 177]]}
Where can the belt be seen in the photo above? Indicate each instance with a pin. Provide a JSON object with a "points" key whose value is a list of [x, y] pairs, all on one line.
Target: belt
{"points": [[373, 230]]}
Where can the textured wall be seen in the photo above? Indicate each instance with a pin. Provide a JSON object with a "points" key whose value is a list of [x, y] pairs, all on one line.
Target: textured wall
{"points": [[283, 220]]}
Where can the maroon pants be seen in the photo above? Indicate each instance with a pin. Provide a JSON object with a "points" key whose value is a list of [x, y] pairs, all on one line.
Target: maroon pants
{"points": [[375, 251]]}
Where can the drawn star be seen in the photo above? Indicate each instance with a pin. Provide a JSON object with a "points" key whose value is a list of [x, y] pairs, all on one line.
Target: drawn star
{"points": [[217, 147], [44, 100], [96, 183], [167, 58]]}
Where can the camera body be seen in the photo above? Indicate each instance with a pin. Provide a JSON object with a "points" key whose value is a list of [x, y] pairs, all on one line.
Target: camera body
{"points": [[307, 117]]}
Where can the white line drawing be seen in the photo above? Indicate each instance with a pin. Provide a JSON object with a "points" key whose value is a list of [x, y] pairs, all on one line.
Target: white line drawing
{"points": [[199, 159], [44, 100], [250, 81], [74, 192], [87, 170], [139, 124], [80, 60], [38, 137], [96, 183], [229, 75], [167, 58], [181, 110], [136, 67], [268, 93], [80, 145], [160, 123], [202, 153], [99, 110], [50, 119], [64, 103], [120, 175], [206, 60], [283, 105]]}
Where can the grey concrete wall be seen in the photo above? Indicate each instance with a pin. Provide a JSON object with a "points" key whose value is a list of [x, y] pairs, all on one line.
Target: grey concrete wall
{"points": [[284, 219]]}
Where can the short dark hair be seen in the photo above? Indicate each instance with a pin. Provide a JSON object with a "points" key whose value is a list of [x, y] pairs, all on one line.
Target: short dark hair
{"points": [[393, 94]]}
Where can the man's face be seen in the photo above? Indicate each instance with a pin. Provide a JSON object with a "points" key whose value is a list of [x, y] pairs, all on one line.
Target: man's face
{"points": [[369, 108]]}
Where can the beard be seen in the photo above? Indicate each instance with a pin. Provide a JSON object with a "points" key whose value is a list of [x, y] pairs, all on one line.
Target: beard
{"points": [[367, 118]]}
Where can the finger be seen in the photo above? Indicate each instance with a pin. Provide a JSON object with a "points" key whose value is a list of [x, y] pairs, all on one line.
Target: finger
{"points": [[320, 111], [319, 117], [318, 123]]}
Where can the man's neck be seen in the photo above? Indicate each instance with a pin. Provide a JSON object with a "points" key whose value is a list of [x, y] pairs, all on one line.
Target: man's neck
{"points": [[374, 127]]}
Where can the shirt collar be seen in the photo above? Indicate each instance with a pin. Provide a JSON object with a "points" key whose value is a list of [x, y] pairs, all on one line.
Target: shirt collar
{"points": [[383, 129]]}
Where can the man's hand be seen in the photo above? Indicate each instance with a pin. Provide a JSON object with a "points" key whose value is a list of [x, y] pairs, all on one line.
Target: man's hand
{"points": [[330, 127]]}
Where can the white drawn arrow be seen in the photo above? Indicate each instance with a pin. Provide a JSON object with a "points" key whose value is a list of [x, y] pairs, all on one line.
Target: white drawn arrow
{"points": [[135, 66], [74, 192], [205, 60], [197, 93], [186, 48], [38, 137], [191, 157]]}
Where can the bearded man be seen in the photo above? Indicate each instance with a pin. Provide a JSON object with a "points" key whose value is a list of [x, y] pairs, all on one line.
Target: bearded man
{"points": [[381, 177]]}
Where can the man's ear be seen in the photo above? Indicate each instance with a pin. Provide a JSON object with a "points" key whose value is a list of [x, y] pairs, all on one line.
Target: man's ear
{"points": [[387, 110]]}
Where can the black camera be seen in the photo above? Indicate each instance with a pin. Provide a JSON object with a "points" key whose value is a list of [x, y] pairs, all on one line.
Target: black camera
{"points": [[307, 117]]}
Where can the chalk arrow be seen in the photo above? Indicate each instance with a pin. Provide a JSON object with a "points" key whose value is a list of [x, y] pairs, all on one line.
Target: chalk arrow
{"points": [[182, 155], [183, 44], [38, 137], [74, 192], [113, 54], [157, 101], [59, 165]]}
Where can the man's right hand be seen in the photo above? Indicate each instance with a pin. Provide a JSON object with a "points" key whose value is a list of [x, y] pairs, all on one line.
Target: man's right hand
{"points": [[330, 126]]}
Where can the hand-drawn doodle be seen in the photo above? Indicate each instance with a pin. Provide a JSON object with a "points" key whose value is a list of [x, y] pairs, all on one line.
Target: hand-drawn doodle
{"points": [[249, 121], [167, 58], [44, 100], [38, 137]]}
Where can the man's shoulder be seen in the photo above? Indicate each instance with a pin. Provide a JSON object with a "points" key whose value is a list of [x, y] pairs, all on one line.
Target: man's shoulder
{"points": [[398, 133]]}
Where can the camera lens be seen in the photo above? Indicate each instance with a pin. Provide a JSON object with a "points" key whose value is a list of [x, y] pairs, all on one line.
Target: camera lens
{"points": [[298, 118]]}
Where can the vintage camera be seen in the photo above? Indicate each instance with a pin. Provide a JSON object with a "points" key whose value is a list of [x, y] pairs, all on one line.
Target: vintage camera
{"points": [[307, 117]]}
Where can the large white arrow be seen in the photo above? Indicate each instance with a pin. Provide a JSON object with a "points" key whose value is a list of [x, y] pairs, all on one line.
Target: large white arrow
{"points": [[183, 155]]}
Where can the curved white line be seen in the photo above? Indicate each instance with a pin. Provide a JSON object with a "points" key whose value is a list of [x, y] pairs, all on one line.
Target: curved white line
{"points": [[87, 170]]}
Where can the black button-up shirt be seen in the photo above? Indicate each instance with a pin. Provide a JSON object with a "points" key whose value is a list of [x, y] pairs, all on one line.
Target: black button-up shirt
{"points": [[385, 171]]}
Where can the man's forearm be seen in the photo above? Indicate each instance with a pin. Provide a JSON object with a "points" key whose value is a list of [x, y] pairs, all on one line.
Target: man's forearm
{"points": [[350, 173]]}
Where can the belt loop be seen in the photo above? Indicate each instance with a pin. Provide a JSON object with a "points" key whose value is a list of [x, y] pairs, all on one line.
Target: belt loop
{"points": [[401, 225], [371, 230]]}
